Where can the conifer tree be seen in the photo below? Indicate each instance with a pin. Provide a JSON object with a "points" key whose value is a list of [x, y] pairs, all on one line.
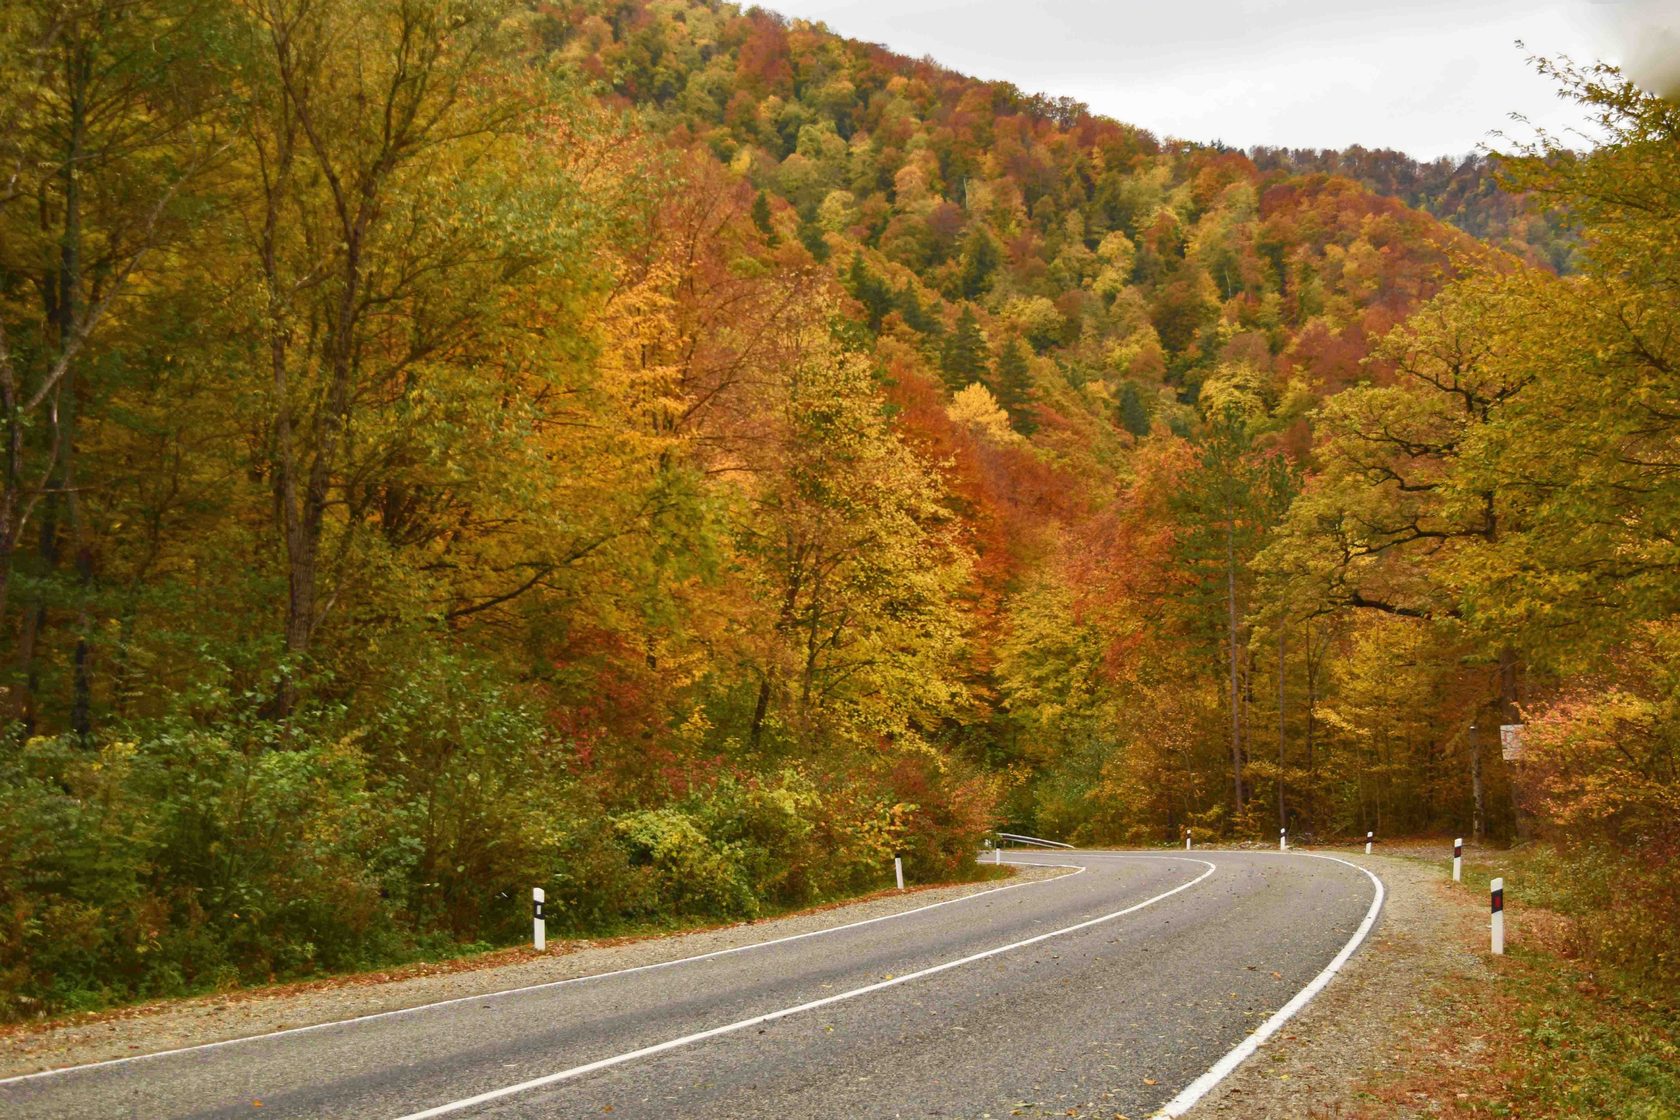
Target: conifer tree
{"points": [[980, 260], [1134, 417], [1012, 385], [869, 290], [963, 361], [761, 217]]}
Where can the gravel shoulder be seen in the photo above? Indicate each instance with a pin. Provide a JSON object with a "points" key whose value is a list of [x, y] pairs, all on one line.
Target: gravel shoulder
{"points": [[1425, 957], [167, 1025]]}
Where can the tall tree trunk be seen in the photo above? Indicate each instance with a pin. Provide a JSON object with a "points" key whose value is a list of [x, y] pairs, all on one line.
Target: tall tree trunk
{"points": [[1312, 702], [808, 677], [785, 617], [300, 572], [761, 709], [11, 473], [65, 413], [1283, 821], [1236, 697], [35, 617], [81, 698], [1478, 816], [62, 298], [1509, 713]]}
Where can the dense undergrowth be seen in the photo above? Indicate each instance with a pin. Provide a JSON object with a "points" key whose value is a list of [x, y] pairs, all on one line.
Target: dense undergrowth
{"points": [[221, 851]]}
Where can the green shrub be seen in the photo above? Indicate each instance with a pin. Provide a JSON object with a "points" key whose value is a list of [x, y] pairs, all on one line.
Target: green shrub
{"points": [[215, 847], [686, 870]]}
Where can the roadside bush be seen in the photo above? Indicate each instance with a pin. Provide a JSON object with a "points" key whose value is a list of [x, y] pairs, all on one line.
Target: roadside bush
{"points": [[1602, 766], [177, 860], [219, 847], [1624, 905], [940, 810], [777, 827], [686, 870]]}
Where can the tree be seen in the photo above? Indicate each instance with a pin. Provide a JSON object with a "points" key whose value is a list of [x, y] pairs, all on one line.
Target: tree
{"points": [[975, 408], [761, 216], [1233, 494], [851, 552], [963, 360], [99, 143], [1012, 384], [354, 114], [869, 290], [1134, 417], [980, 260]]}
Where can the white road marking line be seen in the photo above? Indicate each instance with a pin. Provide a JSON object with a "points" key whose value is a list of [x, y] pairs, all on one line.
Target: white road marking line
{"points": [[1200, 1087], [542, 986], [770, 1017]]}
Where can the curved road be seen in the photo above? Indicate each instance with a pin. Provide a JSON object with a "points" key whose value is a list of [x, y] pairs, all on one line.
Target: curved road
{"points": [[1104, 991]]}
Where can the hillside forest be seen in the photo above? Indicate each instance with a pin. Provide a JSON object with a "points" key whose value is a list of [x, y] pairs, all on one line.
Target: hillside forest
{"points": [[681, 458]]}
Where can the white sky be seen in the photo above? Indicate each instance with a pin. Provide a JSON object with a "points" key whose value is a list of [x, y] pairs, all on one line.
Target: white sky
{"points": [[1430, 77]]}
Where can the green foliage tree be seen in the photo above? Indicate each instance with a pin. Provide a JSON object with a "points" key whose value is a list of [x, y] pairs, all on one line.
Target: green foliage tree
{"points": [[964, 358], [1011, 383], [1229, 499]]}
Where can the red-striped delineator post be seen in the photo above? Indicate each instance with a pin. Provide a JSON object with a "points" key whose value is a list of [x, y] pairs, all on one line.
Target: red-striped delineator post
{"points": [[1458, 860], [1497, 891], [898, 871], [539, 926], [1283, 840], [1368, 836]]}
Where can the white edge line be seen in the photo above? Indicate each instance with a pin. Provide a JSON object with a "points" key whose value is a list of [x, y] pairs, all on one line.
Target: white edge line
{"points": [[45, 1073], [770, 1017], [1204, 1084]]}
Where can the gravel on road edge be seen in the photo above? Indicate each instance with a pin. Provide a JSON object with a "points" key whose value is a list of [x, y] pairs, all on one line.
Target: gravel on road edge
{"points": [[169, 1025], [1399, 988]]}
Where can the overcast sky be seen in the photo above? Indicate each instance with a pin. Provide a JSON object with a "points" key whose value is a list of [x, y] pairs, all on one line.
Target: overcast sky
{"points": [[1430, 77]]}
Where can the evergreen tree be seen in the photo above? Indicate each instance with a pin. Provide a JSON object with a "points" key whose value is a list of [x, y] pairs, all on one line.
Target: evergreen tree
{"points": [[761, 217], [811, 236], [1134, 416], [910, 307], [963, 361], [869, 290], [1012, 386], [980, 260]]}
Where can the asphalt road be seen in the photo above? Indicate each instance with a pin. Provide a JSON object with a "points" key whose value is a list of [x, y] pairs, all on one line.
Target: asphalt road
{"points": [[941, 1012]]}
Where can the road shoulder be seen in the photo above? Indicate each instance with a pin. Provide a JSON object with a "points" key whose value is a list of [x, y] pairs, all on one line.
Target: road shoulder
{"points": [[1399, 988]]}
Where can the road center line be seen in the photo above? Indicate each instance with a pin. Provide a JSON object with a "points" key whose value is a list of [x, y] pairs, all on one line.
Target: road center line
{"points": [[773, 1016]]}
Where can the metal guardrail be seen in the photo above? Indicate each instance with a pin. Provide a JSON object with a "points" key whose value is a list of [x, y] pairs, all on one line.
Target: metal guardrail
{"points": [[1019, 839]]}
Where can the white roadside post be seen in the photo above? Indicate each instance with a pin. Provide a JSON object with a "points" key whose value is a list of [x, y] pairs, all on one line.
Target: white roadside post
{"points": [[1497, 891], [539, 927], [1458, 860], [898, 871], [1283, 840], [1187, 839], [997, 853], [1368, 836]]}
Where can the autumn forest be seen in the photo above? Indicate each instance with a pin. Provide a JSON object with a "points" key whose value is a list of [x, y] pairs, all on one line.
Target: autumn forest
{"points": [[680, 457]]}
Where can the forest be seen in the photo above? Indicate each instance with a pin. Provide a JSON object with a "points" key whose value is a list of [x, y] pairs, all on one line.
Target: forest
{"points": [[681, 458]]}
